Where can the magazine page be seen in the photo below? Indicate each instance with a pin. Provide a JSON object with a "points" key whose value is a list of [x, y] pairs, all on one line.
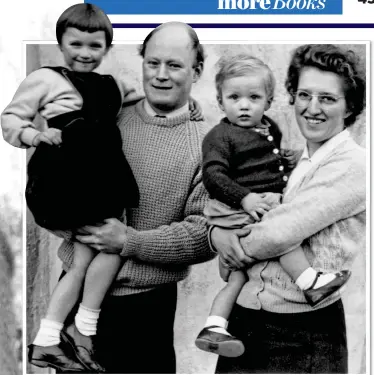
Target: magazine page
{"points": [[184, 186]]}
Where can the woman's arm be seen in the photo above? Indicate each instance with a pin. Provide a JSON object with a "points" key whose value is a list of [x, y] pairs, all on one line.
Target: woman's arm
{"points": [[336, 191]]}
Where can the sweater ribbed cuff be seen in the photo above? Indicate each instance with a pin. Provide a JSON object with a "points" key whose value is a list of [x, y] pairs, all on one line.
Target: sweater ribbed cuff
{"points": [[132, 243]]}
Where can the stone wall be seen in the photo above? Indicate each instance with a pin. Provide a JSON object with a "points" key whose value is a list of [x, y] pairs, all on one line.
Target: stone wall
{"points": [[198, 290]]}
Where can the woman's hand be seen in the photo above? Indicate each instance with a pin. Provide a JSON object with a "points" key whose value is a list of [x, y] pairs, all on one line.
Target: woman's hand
{"points": [[227, 243], [108, 238]]}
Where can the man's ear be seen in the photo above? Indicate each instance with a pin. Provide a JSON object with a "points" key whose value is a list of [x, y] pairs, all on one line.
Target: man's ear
{"points": [[219, 100], [198, 70]]}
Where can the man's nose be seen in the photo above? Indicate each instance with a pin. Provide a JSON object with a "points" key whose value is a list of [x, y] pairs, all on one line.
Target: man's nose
{"points": [[314, 106], [162, 72]]}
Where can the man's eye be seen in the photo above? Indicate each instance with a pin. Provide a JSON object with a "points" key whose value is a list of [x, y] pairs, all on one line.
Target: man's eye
{"points": [[152, 63], [303, 95], [174, 66]]}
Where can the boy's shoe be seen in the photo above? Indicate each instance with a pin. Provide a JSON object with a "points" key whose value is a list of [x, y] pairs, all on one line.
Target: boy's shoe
{"points": [[83, 347], [53, 356], [219, 343], [316, 296]]}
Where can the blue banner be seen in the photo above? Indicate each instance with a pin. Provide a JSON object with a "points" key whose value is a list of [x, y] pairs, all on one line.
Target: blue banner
{"points": [[273, 7]]}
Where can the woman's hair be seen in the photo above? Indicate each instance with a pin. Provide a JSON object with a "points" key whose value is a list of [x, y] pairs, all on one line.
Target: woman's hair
{"points": [[330, 58], [84, 17], [196, 46], [242, 65]]}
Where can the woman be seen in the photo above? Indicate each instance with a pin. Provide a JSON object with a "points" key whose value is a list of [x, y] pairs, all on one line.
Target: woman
{"points": [[323, 211]]}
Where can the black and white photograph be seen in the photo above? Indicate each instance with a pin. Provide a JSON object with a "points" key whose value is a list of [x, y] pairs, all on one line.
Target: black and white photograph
{"points": [[192, 207]]}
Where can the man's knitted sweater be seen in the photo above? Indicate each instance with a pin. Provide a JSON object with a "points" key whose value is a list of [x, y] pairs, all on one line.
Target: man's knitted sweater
{"points": [[167, 232]]}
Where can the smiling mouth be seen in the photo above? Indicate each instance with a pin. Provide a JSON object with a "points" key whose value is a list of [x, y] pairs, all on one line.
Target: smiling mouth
{"points": [[161, 88], [314, 121]]}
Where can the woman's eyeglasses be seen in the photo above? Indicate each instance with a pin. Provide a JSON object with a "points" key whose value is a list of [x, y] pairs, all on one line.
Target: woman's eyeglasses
{"points": [[303, 98]]}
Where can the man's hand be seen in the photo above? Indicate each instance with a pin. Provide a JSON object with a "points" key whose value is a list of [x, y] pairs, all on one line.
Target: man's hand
{"points": [[227, 243], [292, 157], [196, 113], [108, 238], [255, 204], [51, 136]]}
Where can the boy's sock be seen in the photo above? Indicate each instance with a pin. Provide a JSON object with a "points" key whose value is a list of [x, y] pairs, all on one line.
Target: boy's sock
{"points": [[49, 333], [221, 323], [86, 320], [306, 279]]}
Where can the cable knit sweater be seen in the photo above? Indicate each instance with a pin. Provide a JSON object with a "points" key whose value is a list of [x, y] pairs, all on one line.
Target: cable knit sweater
{"points": [[167, 232], [325, 214]]}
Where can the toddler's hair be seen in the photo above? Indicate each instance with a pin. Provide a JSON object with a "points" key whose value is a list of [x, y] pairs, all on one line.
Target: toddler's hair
{"points": [[84, 17], [241, 65]]}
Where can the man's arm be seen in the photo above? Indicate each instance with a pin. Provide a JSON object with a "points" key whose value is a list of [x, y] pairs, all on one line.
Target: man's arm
{"points": [[183, 243], [335, 192]]}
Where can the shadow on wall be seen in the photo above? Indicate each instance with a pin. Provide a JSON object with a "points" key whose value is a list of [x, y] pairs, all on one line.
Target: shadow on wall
{"points": [[198, 290]]}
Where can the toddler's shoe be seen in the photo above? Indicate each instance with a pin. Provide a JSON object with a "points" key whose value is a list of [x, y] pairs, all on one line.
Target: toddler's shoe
{"points": [[219, 343], [53, 356], [83, 347], [316, 296]]}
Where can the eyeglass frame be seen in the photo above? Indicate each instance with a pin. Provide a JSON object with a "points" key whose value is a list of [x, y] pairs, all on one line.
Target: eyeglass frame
{"points": [[318, 96]]}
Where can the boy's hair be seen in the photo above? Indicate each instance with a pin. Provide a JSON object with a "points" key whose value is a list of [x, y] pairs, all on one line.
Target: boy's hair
{"points": [[331, 58], [241, 65], [84, 17]]}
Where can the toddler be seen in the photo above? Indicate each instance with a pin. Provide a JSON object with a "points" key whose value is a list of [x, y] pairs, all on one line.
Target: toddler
{"points": [[245, 172]]}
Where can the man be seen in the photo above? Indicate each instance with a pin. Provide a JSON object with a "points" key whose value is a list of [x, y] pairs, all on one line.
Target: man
{"points": [[167, 232]]}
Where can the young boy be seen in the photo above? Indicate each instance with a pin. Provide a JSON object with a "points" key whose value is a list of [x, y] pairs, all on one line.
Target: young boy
{"points": [[245, 174], [78, 175]]}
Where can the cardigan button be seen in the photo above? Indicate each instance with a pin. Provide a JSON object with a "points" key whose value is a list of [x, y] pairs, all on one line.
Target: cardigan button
{"points": [[275, 151], [281, 167], [285, 178], [270, 138]]}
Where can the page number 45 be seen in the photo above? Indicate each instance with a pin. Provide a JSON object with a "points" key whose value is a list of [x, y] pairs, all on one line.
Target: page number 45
{"points": [[366, 1]]}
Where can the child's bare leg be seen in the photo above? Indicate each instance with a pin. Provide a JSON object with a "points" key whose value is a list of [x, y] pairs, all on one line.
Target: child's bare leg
{"points": [[99, 277], [294, 263], [316, 286], [226, 297], [214, 337], [64, 296]]}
